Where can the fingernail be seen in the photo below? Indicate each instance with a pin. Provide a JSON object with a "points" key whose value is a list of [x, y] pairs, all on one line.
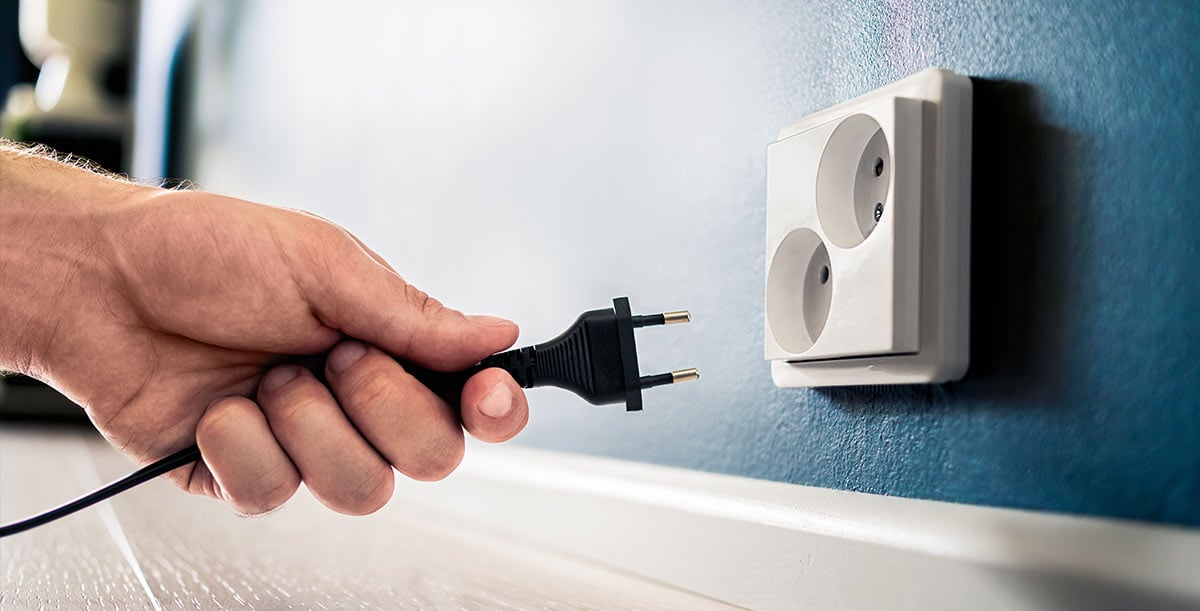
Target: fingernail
{"points": [[489, 321], [345, 355], [498, 402], [277, 377]]}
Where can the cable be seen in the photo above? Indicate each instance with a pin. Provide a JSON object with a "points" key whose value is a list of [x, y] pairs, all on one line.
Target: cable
{"points": [[145, 474], [595, 358]]}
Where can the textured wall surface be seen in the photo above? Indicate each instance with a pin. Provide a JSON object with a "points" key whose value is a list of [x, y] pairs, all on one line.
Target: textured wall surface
{"points": [[534, 160]]}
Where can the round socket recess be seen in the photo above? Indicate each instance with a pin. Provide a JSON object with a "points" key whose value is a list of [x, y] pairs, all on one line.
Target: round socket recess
{"points": [[800, 280], [853, 180]]}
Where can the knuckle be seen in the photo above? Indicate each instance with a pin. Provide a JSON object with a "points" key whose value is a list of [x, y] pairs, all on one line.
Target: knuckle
{"points": [[267, 499], [296, 400], [370, 392], [372, 493], [292, 409], [196, 480], [251, 506], [279, 492], [219, 420], [427, 305], [440, 461]]}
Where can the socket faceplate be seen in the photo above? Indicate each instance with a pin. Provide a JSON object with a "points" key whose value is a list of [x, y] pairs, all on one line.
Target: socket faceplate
{"points": [[868, 250]]}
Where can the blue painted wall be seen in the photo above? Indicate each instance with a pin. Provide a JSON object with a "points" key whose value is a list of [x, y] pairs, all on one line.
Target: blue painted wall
{"points": [[536, 159]]}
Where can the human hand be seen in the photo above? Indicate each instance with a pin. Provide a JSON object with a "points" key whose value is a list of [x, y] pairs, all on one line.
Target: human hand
{"points": [[179, 317]]}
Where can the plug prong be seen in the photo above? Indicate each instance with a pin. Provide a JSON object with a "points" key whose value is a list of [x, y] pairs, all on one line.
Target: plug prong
{"points": [[677, 317], [685, 375], [666, 318], [647, 320], [658, 379], [675, 377]]}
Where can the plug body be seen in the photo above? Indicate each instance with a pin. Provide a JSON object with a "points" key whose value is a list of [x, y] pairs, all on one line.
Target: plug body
{"points": [[595, 358]]}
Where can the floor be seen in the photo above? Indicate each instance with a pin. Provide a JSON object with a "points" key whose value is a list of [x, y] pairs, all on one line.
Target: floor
{"points": [[156, 547]]}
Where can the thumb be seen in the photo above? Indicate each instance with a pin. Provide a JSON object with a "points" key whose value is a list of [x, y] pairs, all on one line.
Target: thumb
{"points": [[368, 301]]}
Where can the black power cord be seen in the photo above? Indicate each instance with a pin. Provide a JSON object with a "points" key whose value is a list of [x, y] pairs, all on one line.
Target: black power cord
{"points": [[145, 474], [596, 358]]}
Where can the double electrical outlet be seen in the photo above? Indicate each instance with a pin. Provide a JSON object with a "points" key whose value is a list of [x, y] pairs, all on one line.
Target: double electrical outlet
{"points": [[868, 242]]}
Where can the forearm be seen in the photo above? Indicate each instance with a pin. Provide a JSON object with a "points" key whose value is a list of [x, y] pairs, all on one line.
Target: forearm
{"points": [[51, 220]]}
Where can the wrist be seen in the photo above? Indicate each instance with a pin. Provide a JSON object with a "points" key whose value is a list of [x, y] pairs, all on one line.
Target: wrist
{"points": [[51, 250]]}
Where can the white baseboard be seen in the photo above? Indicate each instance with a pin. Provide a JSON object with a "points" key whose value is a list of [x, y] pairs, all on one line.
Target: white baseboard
{"points": [[767, 545]]}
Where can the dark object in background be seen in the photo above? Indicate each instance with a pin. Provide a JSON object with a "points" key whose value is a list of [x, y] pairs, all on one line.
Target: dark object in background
{"points": [[15, 67], [105, 150], [67, 83], [23, 398]]}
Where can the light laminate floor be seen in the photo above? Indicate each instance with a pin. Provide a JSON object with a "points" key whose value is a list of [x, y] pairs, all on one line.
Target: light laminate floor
{"points": [[157, 547]]}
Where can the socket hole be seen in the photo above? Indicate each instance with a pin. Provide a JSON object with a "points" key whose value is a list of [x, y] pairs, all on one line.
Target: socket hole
{"points": [[853, 180], [799, 291]]}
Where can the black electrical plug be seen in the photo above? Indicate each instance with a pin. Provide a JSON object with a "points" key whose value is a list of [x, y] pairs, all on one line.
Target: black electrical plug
{"points": [[596, 358]]}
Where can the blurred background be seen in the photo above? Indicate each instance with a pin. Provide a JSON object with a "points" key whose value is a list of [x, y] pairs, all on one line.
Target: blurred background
{"points": [[535, 159]]}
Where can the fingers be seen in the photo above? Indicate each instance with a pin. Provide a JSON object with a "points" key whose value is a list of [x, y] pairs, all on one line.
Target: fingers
{"points": [[342, 448], [340, 468], [359, 295], [414, 429], [493, 406], [252, 473]]}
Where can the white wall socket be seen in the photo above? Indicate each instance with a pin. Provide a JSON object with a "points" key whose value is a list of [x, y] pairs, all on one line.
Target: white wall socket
{"points": [[868, 238]]}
